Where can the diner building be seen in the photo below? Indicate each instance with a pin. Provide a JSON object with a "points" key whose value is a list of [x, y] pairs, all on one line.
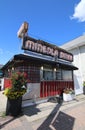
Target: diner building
{"points": [[48, 67]]}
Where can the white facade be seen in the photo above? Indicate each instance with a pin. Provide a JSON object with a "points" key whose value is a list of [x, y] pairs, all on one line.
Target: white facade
{"points": [[77, 48]]}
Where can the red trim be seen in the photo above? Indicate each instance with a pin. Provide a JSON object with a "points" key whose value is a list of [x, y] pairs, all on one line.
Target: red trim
{"points": [[7, 83], [52, 88]]}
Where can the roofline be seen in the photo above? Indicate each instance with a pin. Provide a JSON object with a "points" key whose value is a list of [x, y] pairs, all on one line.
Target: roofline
{"points": [[22, 56], [46, 43], [75, 43]]}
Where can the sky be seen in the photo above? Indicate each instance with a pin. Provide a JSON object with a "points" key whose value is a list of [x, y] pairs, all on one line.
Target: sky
{"points": [[54, 21]]}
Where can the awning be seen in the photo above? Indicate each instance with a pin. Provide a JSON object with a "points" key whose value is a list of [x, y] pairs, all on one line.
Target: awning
{"points": [[26, 58], [67, 66]]}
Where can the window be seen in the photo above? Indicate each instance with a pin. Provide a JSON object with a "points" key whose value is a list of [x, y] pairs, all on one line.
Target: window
{"points": [[1, 73], [58, 74], [66, 74], [48, 75]]}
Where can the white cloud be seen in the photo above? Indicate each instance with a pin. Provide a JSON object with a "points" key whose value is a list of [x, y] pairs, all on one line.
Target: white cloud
{"points": [[79, 11]]}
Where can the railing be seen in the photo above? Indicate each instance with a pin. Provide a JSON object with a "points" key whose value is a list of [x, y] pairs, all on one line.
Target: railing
{"points": [[51, 88]]}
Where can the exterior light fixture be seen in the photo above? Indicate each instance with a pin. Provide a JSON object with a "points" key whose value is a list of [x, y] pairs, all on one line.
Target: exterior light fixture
{"points": [[55, 69], [8, 70], [41, 67], [12, 68]]}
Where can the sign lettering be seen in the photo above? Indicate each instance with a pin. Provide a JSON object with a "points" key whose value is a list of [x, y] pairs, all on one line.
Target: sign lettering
{"points": [[47, 50]]}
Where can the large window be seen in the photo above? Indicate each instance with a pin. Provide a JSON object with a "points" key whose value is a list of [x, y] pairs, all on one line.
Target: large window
{"points": [[48, 75], [59, 74], [66, 75]]}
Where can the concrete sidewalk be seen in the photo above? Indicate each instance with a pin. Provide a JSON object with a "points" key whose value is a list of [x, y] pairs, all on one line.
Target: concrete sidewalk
{"points": [[39, 111], [46, 116], [70, 118], [12, 123], [53, 116]]}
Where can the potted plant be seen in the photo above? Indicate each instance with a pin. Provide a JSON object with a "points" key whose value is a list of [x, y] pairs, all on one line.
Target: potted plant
{"points": [[15, 92], [84, 87], [68, 94]]}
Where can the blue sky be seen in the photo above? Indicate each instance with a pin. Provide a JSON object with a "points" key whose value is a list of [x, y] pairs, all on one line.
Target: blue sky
{"points": [[55, 21]]}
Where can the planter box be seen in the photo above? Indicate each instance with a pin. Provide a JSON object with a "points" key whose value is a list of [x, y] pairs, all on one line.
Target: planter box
{"points": [[68, 97], [13, 107]]}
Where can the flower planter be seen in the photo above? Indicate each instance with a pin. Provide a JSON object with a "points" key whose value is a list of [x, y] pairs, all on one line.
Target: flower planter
{"points": [[15, 92], [68, 97], [13, 107]]}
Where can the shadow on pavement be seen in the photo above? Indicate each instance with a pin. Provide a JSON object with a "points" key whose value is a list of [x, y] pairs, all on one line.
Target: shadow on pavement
{"points": [[31, 110], [63, 122], [6, 121], [57, 120]]}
